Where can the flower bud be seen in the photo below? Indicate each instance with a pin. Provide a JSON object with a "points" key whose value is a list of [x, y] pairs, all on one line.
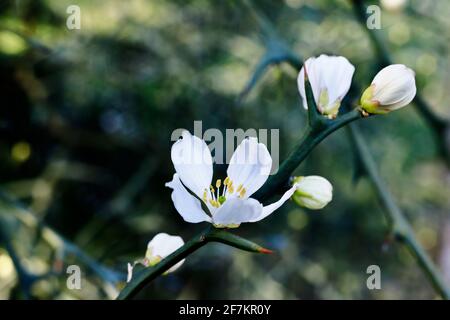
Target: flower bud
{"points": [[313, 192], [392, 88], [330, 78], [161, 246]]}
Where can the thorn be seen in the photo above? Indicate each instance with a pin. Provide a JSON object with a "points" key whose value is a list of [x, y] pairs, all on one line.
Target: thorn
{"points": [[265, 251]]}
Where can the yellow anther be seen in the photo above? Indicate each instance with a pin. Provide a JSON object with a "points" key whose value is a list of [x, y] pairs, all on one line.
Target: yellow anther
{"points": [[226, 181], [214, 203], [239, 188], [205, 195], [230, 188], [218, 183], [211, 188], [242, 193]]}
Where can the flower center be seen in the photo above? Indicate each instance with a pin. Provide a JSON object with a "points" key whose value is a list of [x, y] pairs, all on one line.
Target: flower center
{"points": [[216, 197]]}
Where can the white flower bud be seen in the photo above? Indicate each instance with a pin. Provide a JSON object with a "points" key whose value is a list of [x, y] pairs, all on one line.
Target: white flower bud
{"points": [[330, 78], [313, 192], [392, 88], [161, 246]]}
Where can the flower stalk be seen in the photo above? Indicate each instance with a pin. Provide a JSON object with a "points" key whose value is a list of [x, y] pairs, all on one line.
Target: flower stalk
{"points": [[438, 124], [394, 214], [319, 127], [210, 234], [399, 225]]}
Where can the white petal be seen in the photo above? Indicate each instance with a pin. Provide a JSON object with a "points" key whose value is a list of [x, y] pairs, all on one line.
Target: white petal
{"points": [[186, 204], [331, 73], [338, 82], [193, 163], [395, 86], [236, 211], [130, 272], [269, 209], [314, 79], [162, 245], [250, 165]]}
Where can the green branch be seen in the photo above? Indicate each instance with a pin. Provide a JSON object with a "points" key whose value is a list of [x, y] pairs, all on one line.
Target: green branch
{"points": [[312, 137], [319, 127], [437, 124], [13, 209], [398, 223], [208, 235]]}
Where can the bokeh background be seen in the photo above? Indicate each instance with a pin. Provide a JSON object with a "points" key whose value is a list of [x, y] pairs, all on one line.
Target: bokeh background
{"points": [[86, 118]]}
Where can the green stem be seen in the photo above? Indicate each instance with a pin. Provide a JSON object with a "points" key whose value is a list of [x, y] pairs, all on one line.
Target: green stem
{"points": [[319, 127], [314, 134], [394, 215], [399, 224], [210, 234], [437, 124]]}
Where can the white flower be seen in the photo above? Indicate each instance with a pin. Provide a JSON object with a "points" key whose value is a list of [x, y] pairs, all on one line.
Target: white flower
{"points": [[392, 88], [161, 246], [313, 192], [227, 203], [330, 78]]}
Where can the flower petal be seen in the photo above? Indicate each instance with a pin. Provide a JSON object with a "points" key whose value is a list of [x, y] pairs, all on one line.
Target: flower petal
{"points": [[130, 272], [193, 163], [338, 82], [250, 165], [236, 211], [393, 84], [162, 245], [269, 209], [187, 205], [328, 75]]}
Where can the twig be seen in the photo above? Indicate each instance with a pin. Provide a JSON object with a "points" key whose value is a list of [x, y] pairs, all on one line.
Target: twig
{"points": [[319, 128], [210, 234], [311, 138], [397, 221], [437, 124], [55, 240], [401, 227]]}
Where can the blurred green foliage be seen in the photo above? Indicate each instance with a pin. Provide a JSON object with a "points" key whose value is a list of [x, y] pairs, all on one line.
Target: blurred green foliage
{"points": [[86, 119]]}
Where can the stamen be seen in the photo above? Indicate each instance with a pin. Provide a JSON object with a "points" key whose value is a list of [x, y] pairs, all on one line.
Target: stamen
{"points": [[205, 195], [226, 181], [218, 183], [230, 188], [242, 193], [239, 188], [214, 203]]}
